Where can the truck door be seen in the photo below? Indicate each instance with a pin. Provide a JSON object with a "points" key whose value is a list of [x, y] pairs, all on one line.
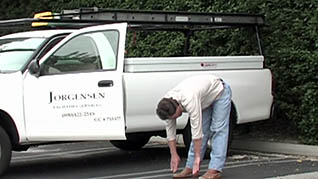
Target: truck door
{"points": [[78, 94]]}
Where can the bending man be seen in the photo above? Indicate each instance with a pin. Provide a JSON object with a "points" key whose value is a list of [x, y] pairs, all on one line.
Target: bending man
{"points": [[207, 100]]}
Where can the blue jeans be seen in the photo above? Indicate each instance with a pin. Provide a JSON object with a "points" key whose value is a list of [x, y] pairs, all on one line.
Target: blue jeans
{"points": [[215, 126]]}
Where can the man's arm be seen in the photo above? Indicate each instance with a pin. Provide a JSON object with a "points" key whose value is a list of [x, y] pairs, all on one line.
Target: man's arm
{"points": [[194, 109], [175, 159], [197, 152]]}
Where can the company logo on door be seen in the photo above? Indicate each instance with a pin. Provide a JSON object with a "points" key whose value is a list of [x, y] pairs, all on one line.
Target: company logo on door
{"points": [[75, 96]]}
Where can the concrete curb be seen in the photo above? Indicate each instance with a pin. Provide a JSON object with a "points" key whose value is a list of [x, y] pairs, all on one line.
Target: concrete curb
{"points": [[312, 175], [275, 147], [261, 146]]}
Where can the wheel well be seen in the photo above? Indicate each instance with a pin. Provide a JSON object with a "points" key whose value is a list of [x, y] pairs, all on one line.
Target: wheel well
{"points": [[8, 125]]}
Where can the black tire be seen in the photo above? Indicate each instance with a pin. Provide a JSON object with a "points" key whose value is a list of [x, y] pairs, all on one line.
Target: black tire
{"points": [[187, 136], [133, 142], [232, 125], [5, 151]]}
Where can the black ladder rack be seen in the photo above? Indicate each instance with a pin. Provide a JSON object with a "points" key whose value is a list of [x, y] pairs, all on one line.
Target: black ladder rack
{"points": [[186, 22], [160, 17], [156, 20]]}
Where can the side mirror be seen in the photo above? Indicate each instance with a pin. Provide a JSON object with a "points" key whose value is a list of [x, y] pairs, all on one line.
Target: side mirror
{"points": [[34, 68]]}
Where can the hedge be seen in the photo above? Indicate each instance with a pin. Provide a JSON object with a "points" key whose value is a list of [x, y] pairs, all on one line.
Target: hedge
{"points": [[290, 42]]}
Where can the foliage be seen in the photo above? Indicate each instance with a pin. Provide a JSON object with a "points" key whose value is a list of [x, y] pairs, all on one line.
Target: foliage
{"points": [[292, 49], [147, 44], [289, 40]]}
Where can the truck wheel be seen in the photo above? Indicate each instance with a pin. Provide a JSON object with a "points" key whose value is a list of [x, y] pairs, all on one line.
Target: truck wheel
{"points": [[231, 128], [187, 136], [133, 142], [5, 151]]}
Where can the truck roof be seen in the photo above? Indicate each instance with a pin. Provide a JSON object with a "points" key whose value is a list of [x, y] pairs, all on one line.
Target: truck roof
{"points": [[37, 33]]}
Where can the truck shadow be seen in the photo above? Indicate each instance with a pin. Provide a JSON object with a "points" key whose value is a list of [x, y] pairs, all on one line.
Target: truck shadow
{"points": [[112, 162]]}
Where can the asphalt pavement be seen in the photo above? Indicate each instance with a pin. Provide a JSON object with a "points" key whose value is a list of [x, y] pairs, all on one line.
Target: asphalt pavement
{"points": [[253, 144], [101, 160], [249, 143]]}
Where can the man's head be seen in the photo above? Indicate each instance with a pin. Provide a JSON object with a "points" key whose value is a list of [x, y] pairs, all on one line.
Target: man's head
{"points": [[168, 108]]}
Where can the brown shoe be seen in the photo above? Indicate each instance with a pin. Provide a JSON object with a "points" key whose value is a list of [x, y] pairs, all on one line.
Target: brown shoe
{"points": [[211, 175], [185, 173]]}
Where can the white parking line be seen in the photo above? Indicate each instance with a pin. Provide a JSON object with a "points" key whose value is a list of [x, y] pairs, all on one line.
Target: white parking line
{"points": [[59, 154], [151, 173], [261, 163]]}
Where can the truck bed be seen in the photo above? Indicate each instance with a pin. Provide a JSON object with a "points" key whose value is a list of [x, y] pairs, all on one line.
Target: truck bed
{"points": [[146, 80], [158, 64]]}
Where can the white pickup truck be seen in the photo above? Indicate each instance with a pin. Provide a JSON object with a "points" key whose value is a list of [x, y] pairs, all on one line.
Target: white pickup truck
{"points": [[77, 85]]}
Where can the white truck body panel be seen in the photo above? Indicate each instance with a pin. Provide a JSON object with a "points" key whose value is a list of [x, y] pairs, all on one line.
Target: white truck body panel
{"points": [[192, 63], [11, 95], [148, 79], [55, 109], [55, 106], [144, 90]]}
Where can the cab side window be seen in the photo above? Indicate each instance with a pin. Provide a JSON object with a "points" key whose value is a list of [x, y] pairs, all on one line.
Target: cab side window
{"points": [[86, 52]]}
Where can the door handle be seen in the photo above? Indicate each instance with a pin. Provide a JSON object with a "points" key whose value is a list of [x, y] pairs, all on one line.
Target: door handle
{"points": [[106, 83]]}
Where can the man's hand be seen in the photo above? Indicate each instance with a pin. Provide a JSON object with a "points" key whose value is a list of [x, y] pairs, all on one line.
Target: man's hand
{"points": [[175, 159], [196, 165], [174, 163]]}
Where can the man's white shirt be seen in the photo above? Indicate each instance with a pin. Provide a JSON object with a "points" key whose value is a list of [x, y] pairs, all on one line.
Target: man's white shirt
{"points": [[194, 94]]}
